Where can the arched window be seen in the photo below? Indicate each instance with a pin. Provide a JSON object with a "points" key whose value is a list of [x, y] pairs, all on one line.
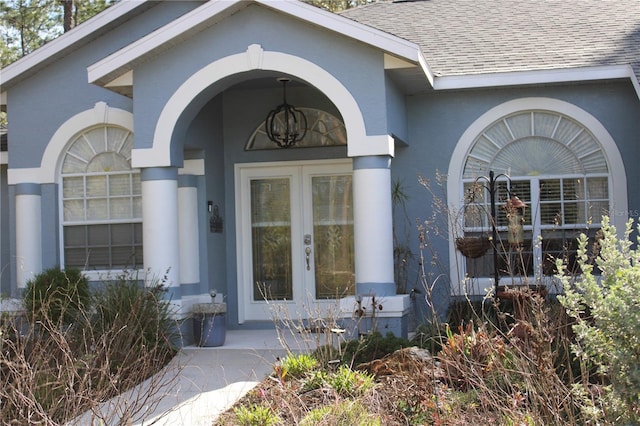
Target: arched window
{"points": [[101, 201], [558, 168], [323, 129]]}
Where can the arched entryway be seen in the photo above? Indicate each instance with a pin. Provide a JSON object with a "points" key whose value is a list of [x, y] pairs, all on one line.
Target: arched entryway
{"points": [[366, 161]]}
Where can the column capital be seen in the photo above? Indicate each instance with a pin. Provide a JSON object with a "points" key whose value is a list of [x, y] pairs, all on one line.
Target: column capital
{"points": [[372, 145]]}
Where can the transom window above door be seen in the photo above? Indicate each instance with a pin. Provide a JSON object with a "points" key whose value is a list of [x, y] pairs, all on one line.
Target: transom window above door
{"points": [[101, 201], [323, 129], [557, 168]]}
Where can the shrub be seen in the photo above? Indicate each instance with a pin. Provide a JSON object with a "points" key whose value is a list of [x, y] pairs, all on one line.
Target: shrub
{"points": [[349, 383], [607, 324], [256, 415], [298, 365], [56, 295], [52, 374], [131, 319], [372, 346], [345, 413]]}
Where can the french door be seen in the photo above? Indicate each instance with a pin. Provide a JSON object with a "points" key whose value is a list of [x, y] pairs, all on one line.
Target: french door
{"points": [[295, 238]]}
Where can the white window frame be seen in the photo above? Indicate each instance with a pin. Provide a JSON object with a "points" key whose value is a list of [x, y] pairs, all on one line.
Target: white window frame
{"points": [[616, 177], [51, 166]]}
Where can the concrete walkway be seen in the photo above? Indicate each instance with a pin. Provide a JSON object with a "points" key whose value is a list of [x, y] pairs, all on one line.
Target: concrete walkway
{"points": [[201, 383]]}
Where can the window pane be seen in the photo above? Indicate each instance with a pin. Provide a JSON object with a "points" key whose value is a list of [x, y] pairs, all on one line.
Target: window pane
{"points": [[81, 151], [573, 189], [123, 257], [119, 185], [98, 235], [137, 207], [108, 162], [97, 137], [74, 165], [122, 234], [115, 138], [574, 213], [73, 210], [598, 188], [596, 210], [96, 186], [136, 188], [99, 258], [333, 235], [137, 232], [120, 208], [74, 236], [550, 189], [271, 239], [75, 257], [551, 214], [97, 209], [73, 187]]}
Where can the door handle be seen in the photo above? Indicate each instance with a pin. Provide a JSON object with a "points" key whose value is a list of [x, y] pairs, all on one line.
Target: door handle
{"points": [[307, 253]]}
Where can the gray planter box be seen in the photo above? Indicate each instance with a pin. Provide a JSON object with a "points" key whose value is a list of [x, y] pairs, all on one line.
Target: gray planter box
{"points": [[209, 324]]}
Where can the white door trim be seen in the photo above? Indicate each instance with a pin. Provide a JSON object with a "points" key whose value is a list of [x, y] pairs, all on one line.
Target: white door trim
{"points": [[248, 310]]}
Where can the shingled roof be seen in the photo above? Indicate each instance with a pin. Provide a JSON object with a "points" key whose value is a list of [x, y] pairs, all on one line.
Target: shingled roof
{"points": [[473, 37]]}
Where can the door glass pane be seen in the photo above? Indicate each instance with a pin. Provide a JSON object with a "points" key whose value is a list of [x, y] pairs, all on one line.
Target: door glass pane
{"points": [[271, 239], [333, 234]]}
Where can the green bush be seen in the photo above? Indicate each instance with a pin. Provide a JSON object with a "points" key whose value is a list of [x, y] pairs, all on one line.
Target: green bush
{"points": [[607, 323], [345, 413], [372, 346], [133, 319], [349, 383], [298, 365], [56, 295], [256, 415]]}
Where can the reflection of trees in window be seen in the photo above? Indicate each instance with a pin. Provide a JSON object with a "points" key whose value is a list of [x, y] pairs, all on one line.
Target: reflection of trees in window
{"points": [[271, 239], [333, 233]]}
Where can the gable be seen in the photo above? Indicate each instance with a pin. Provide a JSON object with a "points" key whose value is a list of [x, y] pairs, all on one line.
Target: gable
{"points": [[111, 69]]}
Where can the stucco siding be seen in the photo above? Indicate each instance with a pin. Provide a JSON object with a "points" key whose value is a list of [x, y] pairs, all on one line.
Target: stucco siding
{"points": [[358, 67], [38, 105], [437, 121], [5, 270]]}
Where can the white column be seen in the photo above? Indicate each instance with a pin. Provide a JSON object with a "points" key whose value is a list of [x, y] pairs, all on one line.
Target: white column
{"points": [[373, 232], [28, 233], [188, 230], [160, 227]]}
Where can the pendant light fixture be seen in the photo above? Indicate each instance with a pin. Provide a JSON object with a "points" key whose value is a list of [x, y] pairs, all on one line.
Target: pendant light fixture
{"points": [[285, 125]]}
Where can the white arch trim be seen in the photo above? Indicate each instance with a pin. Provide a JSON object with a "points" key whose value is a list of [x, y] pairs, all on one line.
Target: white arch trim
{"points": [[257, 58], [617, 184], [101, 113]]}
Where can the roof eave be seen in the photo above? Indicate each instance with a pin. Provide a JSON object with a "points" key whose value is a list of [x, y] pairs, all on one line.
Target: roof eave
{"points": [[17, 70], [549, 76], [123, 61]]}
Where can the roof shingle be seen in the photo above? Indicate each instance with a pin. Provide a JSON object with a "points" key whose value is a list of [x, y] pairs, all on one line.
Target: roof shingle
{"points": [[467, 37]]}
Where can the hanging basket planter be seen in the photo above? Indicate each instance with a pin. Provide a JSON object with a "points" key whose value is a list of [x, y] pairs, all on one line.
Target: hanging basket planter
{"points": [[473, 247]]}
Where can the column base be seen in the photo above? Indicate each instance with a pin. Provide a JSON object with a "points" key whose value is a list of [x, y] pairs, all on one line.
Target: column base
{"points": [[361, 315]]}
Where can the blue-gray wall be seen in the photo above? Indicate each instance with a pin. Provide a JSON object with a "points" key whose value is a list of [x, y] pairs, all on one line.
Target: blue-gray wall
{"points": [[220, 121], [438, 120], [5, 271], [358, 66]]}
